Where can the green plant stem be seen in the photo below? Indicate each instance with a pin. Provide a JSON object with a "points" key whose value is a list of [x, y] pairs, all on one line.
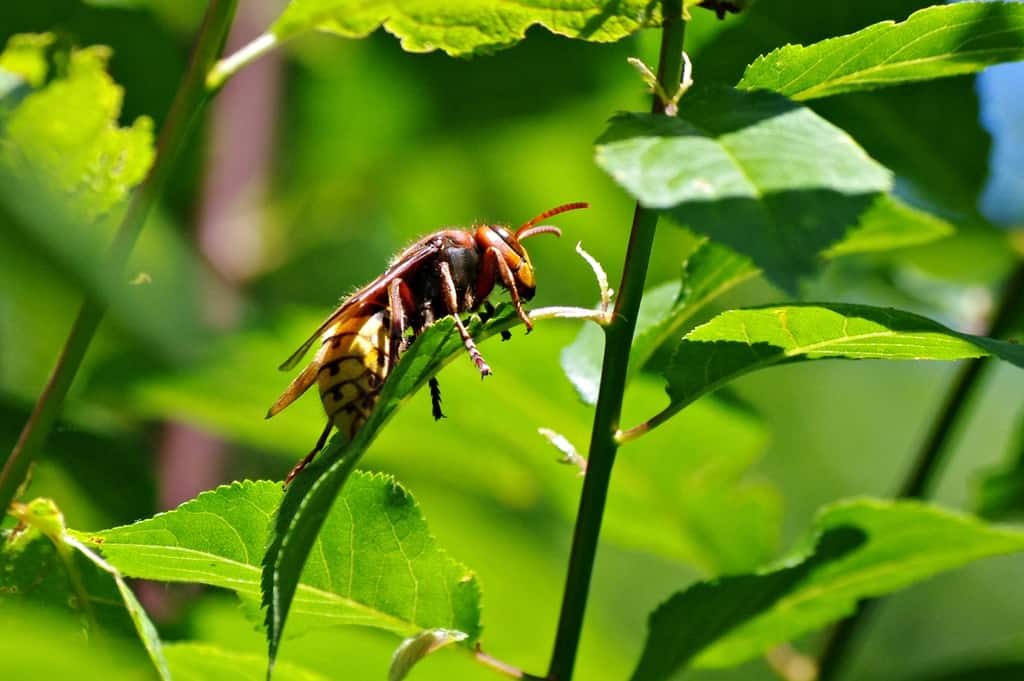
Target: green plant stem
{"points": [[619, 336], [928, 464], [192, 94]]}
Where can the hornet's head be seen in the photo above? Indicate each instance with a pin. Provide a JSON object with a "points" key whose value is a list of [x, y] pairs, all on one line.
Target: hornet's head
{"points": [[510, 249]]}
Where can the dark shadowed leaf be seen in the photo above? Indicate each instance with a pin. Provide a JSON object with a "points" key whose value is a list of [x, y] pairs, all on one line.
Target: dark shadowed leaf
{"points": [[708, 272], [693, 619], [765, 176], [866, 548]]}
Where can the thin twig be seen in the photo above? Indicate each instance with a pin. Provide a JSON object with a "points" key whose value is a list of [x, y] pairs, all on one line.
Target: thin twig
{"points": [[503, 667]]}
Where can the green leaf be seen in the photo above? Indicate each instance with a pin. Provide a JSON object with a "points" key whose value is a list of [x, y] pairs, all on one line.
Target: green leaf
{"points": [[740, 341], [752, 170], [928, 133], [374, 565], [713, 269], [417, 647], [41, 563], [215, 539], [1001, 492], [864, 548], [936, 42], [204, 662], [691, 620], [463, 27], [907, 542], [890, 224], [67, 168], [301, 515], [148, 634], [66, 135], [25, 56]]}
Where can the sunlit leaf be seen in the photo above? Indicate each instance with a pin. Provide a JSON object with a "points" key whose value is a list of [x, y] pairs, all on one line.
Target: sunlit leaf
{"points": [[740, 341], [865, 548], [581, 360], [67, 135], [24, 56], [752, 170], [936, 42], [466, 26], [67, 168], [374, 565]]}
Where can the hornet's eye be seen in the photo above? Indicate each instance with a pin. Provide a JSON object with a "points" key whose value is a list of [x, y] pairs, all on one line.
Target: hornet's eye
{"points": [[508, 238]]}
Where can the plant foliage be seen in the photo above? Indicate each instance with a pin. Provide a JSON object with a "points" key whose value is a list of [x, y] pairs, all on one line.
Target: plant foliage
{"points": [[820, 166]]}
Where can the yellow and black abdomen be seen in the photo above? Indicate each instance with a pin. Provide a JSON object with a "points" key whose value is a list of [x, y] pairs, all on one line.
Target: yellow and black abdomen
{"points": [[353, 362]]}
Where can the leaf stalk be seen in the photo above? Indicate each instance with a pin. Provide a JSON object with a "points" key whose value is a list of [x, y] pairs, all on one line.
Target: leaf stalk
{"points": [[227, 67]]}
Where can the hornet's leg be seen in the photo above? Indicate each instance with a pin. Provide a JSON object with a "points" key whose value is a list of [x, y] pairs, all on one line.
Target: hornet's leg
{"points": [[487, 314], [492, 261], [452, 303], [399, 300], [309, 457], [420, 320], [435, 399]]}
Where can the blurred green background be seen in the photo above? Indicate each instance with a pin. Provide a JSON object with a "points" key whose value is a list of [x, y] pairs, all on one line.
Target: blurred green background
{"points": [[318, 163]]}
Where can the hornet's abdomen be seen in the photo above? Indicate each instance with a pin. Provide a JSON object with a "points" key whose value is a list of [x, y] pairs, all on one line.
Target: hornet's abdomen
{"points": [[353, 363]]}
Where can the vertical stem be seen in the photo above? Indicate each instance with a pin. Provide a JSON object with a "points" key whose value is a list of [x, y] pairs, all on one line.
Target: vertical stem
{"points": [[188, 102], [619, 336], [928, 464]]}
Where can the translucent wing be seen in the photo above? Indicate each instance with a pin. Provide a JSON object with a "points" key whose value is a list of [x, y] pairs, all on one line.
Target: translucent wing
{"points": [[373, 293], [296, 388]]}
